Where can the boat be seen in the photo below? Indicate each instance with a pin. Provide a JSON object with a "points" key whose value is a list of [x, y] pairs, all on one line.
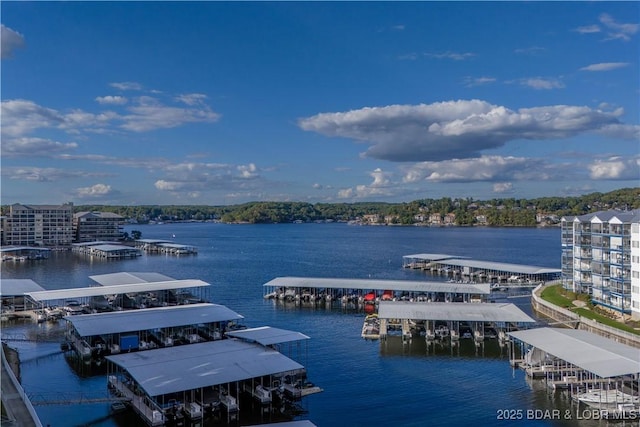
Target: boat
{"points": [[118, 407], [371, 327], [607, 398], [369, 298]]}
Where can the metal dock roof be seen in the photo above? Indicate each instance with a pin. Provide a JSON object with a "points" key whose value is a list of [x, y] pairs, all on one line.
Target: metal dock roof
{"points": [[94, 291], [464, 312], [151, 318], [266, 335], [433, 257], [502, 266], [489, 265], [18, 287], [393, 285], [189, 367], [604, 357], [127, 278]]}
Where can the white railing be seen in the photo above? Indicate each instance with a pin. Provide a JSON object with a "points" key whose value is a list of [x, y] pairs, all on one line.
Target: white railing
{"points": [[21, 392]]}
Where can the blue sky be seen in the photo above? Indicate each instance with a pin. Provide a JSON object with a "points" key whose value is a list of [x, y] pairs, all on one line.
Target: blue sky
{"points": [[222, 103]]}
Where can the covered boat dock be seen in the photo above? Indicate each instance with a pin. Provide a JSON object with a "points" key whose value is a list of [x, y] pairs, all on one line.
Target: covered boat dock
{"points": [[165, 247], [108, 250], [93, 336], [15, 301], [167, 384], [364, 291], [494, 272], [598, 371], [454, 320], [121, 297], [24, 253]]}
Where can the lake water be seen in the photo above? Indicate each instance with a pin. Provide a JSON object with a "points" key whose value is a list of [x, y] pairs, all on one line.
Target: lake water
{"points": [[365, 383]]}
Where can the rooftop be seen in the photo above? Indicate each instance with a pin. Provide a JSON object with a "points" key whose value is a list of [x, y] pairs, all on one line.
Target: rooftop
{"points": [[464, 312]]}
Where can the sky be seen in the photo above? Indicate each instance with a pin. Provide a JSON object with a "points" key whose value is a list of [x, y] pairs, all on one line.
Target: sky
{"points": [[221, 103]]}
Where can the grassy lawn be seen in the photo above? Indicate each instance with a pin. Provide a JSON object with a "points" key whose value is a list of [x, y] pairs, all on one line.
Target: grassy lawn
{"points": [[605, 320], [554, 294], [559, 296]]}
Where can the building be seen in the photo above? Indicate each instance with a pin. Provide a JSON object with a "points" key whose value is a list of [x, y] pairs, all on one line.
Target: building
{"points": [[94, 226], [598, 258], [38, 225]]}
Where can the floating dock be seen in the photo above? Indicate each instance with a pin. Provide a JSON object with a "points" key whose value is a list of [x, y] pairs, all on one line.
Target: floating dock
{"points": [[370, 291], [450, 320], [597, 371], [165, 247], [106, 250], [493, 272]]}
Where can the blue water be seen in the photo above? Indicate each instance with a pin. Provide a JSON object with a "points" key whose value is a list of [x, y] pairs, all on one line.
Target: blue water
{"points": [[365, 383]]}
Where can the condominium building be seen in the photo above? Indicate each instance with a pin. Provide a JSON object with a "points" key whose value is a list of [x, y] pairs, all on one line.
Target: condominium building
{"points": [[38, 225], [97, 226], [601, 256]]}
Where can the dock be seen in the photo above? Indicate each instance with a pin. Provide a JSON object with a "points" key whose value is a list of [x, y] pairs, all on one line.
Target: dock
{"points": [[450, 320], [105, 250], [597, 371], [165, 247], [489, 271], [316, 290]]}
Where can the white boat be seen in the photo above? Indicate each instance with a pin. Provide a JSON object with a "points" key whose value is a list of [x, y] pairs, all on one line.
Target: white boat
{"points": [[607, 398]]}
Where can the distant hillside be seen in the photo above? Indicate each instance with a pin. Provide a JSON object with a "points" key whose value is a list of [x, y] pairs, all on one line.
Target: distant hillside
{"points": [[462, 212]]}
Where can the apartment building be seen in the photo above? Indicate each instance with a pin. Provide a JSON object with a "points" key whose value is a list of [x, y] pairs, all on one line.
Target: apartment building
{"points": [[97, 226], [38, 225], [601, 256]]}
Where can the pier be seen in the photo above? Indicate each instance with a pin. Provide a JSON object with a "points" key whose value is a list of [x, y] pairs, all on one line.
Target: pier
{"points": [[169, 383], [165, 247], [370, 291], [106, 250], [598, 372], [493, 272], [450, 320], [93, 336]]}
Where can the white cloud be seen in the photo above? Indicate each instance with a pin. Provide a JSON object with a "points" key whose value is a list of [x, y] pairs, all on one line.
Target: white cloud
{"points": [[95, 191], [381, 186], [454, 129], [485, 168], [604, 66], [30, 173], [126, 86], [206, 177], [616, 30], [150, 114], [192, 98], [30, 147], [456, 56], [10, 40], [477, 81], [21, 117], [542, 83], [502, 187], [616, 168], [248, 171], [588, 29], [111, 100]]}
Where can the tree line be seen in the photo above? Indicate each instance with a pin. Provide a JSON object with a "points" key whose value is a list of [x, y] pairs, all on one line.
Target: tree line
{"points": [[467, 211]]}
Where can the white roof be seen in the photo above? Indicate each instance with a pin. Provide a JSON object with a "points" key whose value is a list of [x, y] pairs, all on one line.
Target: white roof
{"points": [[393, 285], [151, 318], [127, 278], [432, 257], [94, 291], [266, 335], [189, 367], [604, 357], [15, 287], [489, 265], [459, 311]]}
